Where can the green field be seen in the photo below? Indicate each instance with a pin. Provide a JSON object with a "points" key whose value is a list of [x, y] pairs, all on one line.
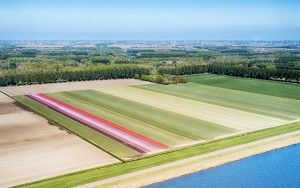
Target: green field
{"points": [[154, 119], [131, 123], [273, 88], [279, 107]]}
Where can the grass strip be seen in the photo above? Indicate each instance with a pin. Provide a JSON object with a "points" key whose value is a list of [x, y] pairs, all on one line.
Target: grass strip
{"points": [[96, 174]]}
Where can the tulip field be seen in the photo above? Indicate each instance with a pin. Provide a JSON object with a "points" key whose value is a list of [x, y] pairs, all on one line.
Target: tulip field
{"points": [[134, 140], [134, 121]]}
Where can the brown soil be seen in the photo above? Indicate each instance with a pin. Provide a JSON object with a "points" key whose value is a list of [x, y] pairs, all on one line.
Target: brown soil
{"points": [[69, 86], [32, 149]]}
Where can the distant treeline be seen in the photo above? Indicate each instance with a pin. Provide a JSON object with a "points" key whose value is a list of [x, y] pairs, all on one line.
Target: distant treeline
{"points": [[267, 73], [174, 54], [38, 76]]}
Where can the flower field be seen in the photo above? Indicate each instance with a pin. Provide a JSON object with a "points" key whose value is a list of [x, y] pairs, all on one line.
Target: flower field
{"points": [[134, 140]]}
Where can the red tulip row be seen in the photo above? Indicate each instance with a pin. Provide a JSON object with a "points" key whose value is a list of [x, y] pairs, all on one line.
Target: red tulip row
{"points": [[130, 138]]}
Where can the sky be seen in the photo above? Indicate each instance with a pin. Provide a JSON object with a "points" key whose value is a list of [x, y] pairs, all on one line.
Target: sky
{"points": [[149, 20]]}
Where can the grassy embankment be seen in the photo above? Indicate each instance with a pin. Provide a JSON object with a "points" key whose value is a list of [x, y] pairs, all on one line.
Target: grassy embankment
{"points": [[79, 178]]}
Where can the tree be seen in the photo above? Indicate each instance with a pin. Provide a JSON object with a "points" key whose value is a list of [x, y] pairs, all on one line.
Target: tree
{"points": [[12, 65]]}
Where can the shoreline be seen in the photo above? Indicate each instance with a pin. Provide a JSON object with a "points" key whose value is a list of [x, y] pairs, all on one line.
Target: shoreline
{"points": [[198, 163]]}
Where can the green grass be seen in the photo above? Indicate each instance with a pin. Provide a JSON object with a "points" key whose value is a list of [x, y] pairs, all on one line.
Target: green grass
{"points": [[107, 144], [278, 89], [185, 126], [283, 108], [141, 127], [83, 177]]}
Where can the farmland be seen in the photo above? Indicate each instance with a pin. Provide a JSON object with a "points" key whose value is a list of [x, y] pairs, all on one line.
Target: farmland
{"points": [[32, 149], [270, 105], [144, 125], [129, 94], [134, 121]]}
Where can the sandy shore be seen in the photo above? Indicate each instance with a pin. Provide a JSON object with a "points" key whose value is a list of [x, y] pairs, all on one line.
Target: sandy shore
{"points": [[198, 163]]}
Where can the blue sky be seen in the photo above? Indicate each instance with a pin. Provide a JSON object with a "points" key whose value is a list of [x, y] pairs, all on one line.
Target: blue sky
{"points": [[150, 19]]}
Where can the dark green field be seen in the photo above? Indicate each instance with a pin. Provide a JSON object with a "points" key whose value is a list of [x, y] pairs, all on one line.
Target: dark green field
{"points": [[278, 89]]}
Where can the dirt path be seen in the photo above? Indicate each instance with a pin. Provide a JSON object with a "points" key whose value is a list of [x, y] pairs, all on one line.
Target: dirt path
{"points": [[197, 163], [69, 86], [31, 149]]}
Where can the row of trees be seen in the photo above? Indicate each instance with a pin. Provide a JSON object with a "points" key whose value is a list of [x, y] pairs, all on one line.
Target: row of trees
{"points": [[235, 70], [38, 76]]}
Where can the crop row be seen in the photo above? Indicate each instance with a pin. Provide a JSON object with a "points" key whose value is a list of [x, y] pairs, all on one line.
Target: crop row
{"points": [[131, 139]]}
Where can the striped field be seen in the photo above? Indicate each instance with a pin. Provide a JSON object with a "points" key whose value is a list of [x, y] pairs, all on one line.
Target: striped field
{"points": [[224, 116], [133, 140], [134, 121]]}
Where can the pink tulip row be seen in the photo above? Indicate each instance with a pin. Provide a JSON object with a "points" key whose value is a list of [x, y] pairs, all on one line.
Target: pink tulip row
{"points": [[132, 139]]}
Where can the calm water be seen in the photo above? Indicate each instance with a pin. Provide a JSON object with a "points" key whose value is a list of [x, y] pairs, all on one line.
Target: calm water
{"points": [[278, 168]]}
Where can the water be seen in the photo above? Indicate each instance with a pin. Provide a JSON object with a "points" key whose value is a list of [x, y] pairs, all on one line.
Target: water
{"points": [[278, 168]]}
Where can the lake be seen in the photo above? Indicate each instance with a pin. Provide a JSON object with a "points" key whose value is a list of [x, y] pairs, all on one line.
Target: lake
{"points": [[277, 168]]}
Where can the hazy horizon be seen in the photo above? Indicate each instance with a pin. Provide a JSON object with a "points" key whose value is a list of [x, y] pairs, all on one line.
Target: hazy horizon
{"points": [[149, 20]]}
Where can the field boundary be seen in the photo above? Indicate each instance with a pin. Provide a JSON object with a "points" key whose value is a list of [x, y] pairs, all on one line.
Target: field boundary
{"points": [[96, 174]]}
